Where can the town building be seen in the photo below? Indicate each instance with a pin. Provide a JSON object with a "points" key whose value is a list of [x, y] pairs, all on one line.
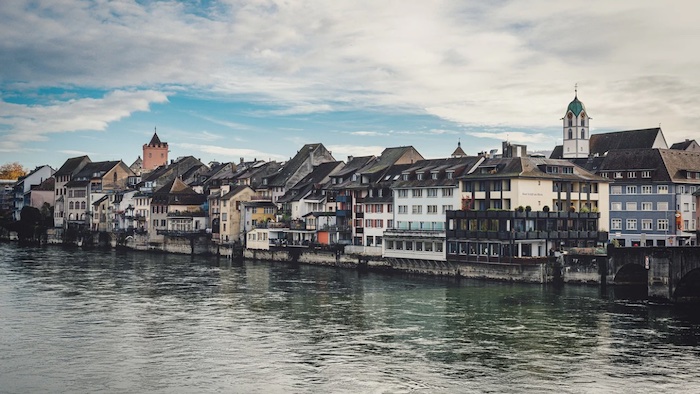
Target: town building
{"points": [[155, 154], [177, 209], [65, 174], [423, 193], [517, 207], [22, 188]]}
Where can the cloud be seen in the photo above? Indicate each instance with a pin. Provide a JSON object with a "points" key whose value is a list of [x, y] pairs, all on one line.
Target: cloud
{"points": [[494, 64], [227, 154], [340, 152], [34, 122]]}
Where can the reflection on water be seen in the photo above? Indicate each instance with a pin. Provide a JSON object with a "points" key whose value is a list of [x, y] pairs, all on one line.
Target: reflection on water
{"points": [[83, 321]]}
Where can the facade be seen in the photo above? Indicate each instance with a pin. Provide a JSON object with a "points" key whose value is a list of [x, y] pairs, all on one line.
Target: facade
{"points": [[23, 187], [230, 225], [65, 174], [177, 209], [422, 195], [155, 154], [526, 207], [90, 184], [651, 197]]}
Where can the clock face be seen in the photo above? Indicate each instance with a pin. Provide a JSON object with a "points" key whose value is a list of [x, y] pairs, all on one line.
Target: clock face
{"points": [[583, 115], [570, 115]]}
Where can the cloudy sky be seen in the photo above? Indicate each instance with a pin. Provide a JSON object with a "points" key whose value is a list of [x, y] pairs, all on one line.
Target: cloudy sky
{"points": [[221, 80]]}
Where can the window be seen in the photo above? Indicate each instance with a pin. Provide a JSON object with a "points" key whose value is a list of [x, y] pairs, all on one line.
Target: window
{"points": [[571, 134], [662, 189], [631, 174], [432, 192], [583, 134], [223, 216], [390, 244], [631, 224], [417, 209], [618, 174], [403, 193], [450, 175], [615, 189], [686, 207], [417, 193], [631, 206], [403, 209], [647, 206], [432, 209], [419, 176], [390, 223], [433, 175], [681, 189], [616, 206], [631, 190], [567, 170], [368, 223], [646, 189], [646, 174], [662, 224], [419, 246], [446, 208], [616, 224], [447, 192], [647, 224], [662, 206]]}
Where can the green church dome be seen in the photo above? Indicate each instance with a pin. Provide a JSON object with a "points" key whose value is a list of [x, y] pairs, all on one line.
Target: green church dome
{"points": [[576, 107]]}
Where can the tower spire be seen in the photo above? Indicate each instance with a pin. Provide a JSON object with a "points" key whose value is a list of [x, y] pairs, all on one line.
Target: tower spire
{"points": [[576, 90]]}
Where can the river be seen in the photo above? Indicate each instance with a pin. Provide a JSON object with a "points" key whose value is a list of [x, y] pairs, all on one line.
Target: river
{"points": [[78, 321]]}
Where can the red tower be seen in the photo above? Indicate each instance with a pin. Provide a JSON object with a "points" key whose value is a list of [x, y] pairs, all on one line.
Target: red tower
{"points": [[155, 153]]}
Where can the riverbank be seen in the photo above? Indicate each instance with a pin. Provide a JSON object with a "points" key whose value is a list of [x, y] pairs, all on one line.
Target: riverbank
{"points": [[550, 270]]}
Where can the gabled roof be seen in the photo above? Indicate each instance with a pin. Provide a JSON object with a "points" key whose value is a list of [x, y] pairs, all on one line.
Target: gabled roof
{"points": [[236, 190], [686, 145], [176, 192], [71, 165], [679, 162], [292, 166], [47, 184], [426, 168], [602, 143], [529, 167], [307, 184], [391, 156], [92, 170]]}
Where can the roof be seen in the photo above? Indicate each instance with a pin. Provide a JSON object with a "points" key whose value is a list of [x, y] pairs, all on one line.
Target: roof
{"points": [[47, 184], [686, 145], [530, 167], [292, 165], [90, 171], [235, 191], [176, 192], [155, 141], [71, 165], [576, 106], [458, 152], [602, 143]]}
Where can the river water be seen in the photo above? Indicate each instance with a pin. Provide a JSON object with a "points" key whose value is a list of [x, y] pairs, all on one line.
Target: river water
{"points": [[79, 321]]}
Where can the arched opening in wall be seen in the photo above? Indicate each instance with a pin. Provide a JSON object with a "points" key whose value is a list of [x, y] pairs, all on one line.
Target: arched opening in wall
{"points": [[631, 283], [688, 288], [632, 275]]}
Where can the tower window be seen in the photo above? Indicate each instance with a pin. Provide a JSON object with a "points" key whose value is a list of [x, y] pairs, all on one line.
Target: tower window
{"points": [[583, 122], [583, 134], [571, 134], [571, 122]]}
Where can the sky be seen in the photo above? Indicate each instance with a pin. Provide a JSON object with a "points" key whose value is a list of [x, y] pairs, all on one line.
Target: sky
{"points": [[223, 80]]}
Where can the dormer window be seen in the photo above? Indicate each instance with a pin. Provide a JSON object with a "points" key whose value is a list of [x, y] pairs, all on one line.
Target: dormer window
{"points": [[646, 174], [450, 175], [404, 177], [618, 174], [434, 175], [631, 174], [419, 176]]}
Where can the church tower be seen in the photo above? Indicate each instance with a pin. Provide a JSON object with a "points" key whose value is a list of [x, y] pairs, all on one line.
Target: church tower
{"points": [[576, 130], [155, 153]]}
